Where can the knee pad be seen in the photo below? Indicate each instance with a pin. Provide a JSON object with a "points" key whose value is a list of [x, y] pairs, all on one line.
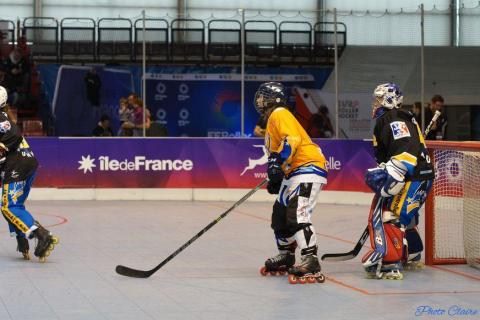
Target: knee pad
{"points": [[414, 242]]}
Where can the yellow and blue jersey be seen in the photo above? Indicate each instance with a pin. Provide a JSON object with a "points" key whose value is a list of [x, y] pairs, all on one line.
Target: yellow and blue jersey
{"points": [[300, 155]]}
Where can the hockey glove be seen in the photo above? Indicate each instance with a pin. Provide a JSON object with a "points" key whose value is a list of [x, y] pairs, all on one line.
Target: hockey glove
{"points": [[274, 188], [274, 170], [375, 178], [395, 181]]}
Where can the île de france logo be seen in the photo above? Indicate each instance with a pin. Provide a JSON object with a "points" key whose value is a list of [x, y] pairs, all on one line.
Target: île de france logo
{"points": [[252, 163], [87, 164]]}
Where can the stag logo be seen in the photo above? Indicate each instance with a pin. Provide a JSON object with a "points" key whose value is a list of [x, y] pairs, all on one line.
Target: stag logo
{"points": [[252, 163]]}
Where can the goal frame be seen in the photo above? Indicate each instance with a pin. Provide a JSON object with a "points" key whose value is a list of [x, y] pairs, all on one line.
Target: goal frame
{"points": [[430, 258]]}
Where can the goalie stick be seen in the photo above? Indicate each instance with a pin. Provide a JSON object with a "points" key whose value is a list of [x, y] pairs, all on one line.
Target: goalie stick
{"points": [[352, 254], [377, 205], [129, 272]]}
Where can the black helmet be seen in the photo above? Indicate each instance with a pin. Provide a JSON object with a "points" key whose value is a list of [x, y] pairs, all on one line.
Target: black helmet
{"points": [[268, 95]]}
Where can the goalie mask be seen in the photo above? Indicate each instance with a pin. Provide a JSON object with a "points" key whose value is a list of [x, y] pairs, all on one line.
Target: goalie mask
{"points": [[3, 97], [387, 96], [268, 95]]}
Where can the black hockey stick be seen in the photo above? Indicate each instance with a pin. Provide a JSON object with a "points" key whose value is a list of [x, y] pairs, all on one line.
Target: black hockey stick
{"points": [[129, 272], [376, 205], [348, 255]]}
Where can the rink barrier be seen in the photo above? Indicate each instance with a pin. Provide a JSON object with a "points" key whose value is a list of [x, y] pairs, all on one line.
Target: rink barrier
{"points": [[187, 194], [186, 163]]}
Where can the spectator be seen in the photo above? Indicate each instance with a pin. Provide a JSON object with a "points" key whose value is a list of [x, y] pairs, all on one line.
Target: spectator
{"points": [[438, 129], [93, 85], [260, 127], [125, 113], [18, 72], [132, 114], [417, 112], [7, 82], [103, 128], [320, 125], [138, 118]]}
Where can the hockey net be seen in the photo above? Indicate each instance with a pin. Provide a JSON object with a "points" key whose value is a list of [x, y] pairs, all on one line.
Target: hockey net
{"points": [[452, 212]]}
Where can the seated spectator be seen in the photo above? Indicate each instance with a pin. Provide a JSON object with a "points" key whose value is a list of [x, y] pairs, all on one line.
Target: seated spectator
{"points": [[320, 125], [138, 118], [7, 82], [133, 124], [103, 128], [17, 67], [125, 113]]}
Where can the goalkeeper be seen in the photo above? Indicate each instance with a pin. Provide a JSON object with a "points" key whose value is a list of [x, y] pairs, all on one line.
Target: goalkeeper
{"points": [[401, 182]]}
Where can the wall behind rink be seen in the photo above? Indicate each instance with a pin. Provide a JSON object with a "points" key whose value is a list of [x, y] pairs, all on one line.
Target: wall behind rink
{"points": [[160, 165]]}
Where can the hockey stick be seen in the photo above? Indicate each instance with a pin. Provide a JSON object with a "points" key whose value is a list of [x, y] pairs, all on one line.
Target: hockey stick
{"points": [[352, 254], [358, 247], [434, 119], [129, 272]]}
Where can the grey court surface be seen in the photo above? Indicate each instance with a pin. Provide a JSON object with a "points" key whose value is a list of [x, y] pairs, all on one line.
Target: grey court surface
{"points": [[217, 277]]}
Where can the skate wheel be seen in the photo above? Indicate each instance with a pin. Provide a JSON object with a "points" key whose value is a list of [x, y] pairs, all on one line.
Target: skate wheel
{"points": [[292, 279], [263, 271], [50, 247], [311, 280], [273, 273], [55, 240], [42, 259], [26, 256], [320, 278], [282, 273], [302, 280]]}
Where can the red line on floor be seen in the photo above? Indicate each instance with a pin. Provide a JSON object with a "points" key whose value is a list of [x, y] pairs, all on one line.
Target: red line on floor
{"points": [[470, 276], [63, 220], [365, 292]]}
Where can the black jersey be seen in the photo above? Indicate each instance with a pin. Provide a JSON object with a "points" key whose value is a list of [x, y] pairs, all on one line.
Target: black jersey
{"points": [[20, 161], [397, 135]]}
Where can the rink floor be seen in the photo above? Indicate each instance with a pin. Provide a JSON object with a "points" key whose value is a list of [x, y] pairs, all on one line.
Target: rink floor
{"points": [[216, 277]]}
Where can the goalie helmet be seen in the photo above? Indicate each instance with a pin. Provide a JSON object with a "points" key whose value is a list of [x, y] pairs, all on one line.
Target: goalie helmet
{"points": [[268, 95], [387, 96], [3, 97]]}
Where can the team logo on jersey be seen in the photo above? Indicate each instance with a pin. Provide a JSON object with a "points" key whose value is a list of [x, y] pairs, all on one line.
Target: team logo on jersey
{"points": [[399, 130], [252, 163], [5, 126]]}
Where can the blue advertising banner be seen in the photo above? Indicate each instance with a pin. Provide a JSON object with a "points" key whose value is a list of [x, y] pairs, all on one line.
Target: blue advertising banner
{"points": [[209, 104]]}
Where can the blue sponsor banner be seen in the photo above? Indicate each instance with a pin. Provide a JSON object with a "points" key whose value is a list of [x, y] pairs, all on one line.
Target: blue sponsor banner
{"points": [[210, 104]]}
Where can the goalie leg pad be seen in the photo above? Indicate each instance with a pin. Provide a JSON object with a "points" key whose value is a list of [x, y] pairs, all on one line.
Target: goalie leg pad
{"points": [[386, 239], [377, 233], [415, 244]]}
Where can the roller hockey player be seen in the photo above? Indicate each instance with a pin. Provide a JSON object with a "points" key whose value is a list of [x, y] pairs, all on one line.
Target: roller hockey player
{"points": [[18, 165], [296, 172], [401, 182]]}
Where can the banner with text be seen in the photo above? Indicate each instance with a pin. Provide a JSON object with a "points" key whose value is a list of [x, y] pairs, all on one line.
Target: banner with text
{"points": [[181, 162]]}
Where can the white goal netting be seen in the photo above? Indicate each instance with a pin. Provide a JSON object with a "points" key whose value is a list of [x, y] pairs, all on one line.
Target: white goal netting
{"points": [[456, 206]]}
